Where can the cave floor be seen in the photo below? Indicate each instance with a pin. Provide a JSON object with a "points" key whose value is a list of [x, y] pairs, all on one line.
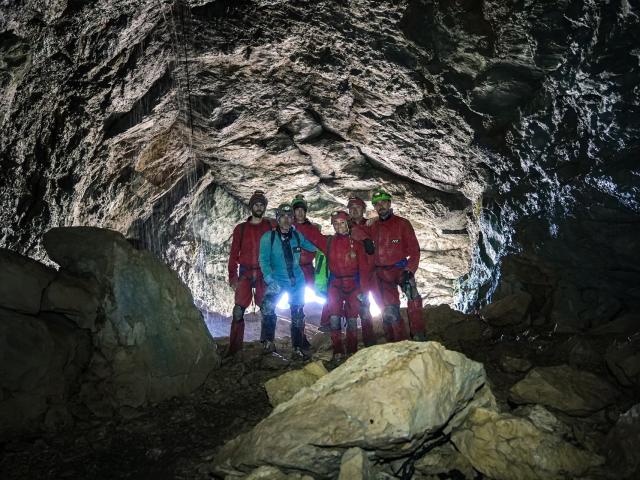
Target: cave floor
{"points": [[178, 438], [168, 441]]}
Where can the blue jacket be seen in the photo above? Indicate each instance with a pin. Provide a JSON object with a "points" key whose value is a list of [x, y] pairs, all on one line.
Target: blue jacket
{"points": [[272, 259]]}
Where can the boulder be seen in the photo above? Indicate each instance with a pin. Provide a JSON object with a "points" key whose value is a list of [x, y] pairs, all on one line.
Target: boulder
{"points": [[22, 282], [152, 342], [564, 388], [627, 323], [453, 328], [355, 465], [442, 461], [505, 447], [511, 364], [510, 310], [75, 298], [582, 352], [567, 306], [543, 419], [622, 442], [385, 399], [623, 360], [41, 359], [284, 387]]}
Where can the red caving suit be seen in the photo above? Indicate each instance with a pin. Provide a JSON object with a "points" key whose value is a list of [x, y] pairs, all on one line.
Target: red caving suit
{"points": [[396, 250], [244, 271]]}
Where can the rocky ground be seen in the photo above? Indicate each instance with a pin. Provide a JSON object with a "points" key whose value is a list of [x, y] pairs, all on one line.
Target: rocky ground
{"points": [[169, 441], [179, 438]]}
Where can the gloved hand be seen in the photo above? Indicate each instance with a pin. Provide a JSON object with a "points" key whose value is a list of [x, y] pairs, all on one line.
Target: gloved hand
{"points": [[362, 297], [273, 289], [407, 277], [369, 246]]}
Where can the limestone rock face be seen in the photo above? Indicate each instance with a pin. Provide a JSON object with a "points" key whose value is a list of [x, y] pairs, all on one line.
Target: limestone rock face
{"points": [[564, 388], [282, 388], [505, 447], [385, 400], [151, 342]]}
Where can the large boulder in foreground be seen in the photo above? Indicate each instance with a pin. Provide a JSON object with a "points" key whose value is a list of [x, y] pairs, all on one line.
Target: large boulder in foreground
{"points": [[564, 388], [505, 447], [385, 400], [150, 342]]}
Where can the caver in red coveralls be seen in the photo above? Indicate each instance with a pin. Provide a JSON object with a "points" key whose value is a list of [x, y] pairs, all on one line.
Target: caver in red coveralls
{"points": [[245, 274], [396, 251], [360, 233], [348, 278]]}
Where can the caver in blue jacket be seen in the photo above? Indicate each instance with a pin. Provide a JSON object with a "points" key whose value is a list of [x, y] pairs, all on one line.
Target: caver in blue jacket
{"points": [[280, 265]]}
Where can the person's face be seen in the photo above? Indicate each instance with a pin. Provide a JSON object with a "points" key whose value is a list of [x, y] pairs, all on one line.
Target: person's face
{"points": [[257, 209], [356, 211], [284, 221], [341, 226], [383, 207], [300, 214]]}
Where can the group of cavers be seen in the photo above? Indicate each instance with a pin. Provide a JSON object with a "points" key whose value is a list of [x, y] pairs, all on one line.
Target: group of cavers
{"points": [[378, 255]]}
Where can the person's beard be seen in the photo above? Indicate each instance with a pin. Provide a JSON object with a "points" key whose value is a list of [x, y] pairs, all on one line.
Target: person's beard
{"points": [[257, 214]]}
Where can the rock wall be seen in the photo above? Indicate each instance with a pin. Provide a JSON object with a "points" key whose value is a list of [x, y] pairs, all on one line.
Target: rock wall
{"points": [[494, 124]]}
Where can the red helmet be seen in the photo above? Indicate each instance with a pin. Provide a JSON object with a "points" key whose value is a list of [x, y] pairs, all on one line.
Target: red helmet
{"points": [[339, 215], [356, 201]]}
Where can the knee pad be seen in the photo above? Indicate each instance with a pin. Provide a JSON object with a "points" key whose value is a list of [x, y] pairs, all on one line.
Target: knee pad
{"points": [[336, 322], [391, 314], [352, 323], [238, 314]]}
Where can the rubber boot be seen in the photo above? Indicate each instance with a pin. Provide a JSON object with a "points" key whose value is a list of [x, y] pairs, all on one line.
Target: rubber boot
{"points": [[336, 334], [399, 332], [352, 336], [388, 331], [394, 325], [415, 312], [325, 323], [298, 338], [236, 336], [368, 334]]}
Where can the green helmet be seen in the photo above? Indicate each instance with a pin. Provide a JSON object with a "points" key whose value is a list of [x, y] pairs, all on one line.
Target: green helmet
{"points": [[378, 195], [299, 201]]}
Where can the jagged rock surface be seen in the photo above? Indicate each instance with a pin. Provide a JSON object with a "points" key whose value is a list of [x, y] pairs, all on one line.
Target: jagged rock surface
{"points": [[566, 389], [504, 447], [386, 400]]}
